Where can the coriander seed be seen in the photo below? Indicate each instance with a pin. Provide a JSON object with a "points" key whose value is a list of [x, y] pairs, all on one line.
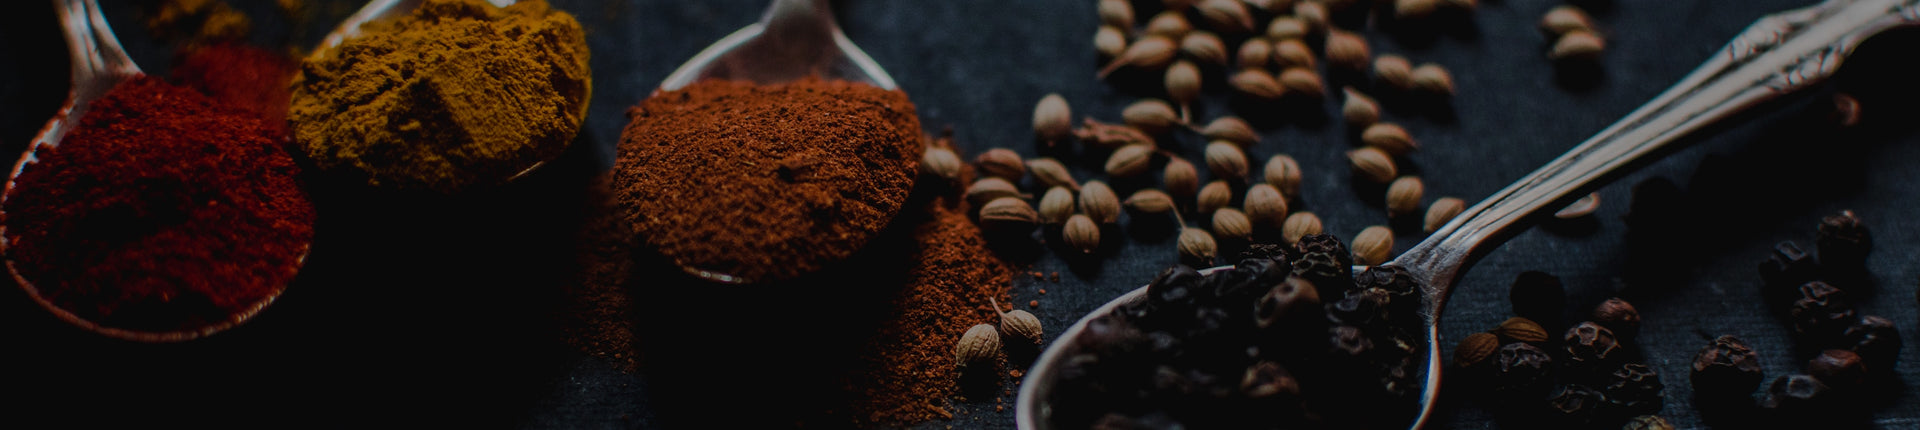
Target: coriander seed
{"points": [[1081, 233], [1197, 246], [1564, 19], [1475, 349], [1110, 42], [1389, 137], [1403, 196], [1359, 110], [1151, 52], [989, 188], [1180, 178], [1226, 161], [980, 345], [1151, 115], [1052, 119], [1255, 53], [1433, 79], [1373, 246], [1008, 214], [1231, 129], [1442, 211], [1117, 13], [1098, 201], [1313, 14], [1256, 83], [1293, 53], [1283, 173], [1170, 23], [1577, 45], [1214, 196], [942, 163], [1520, 329], [1302, 81], [1111, 135], [1229, 16], [1372, 164], [1347, 50], [1149, 200], [1265, 206], [1205, 47], [1130, 161], [1056, 205], [1183, 85], [1018, 325], [1394, 70], [1299, 225], [1051, 173], [1001, 162], [1286, 27]]}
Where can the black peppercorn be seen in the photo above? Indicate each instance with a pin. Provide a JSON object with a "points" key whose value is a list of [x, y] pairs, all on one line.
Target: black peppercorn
{"points": [[1579, 405], [1725, 369], [1875, 340], [1522, 370], [1321, 258], [1270, 251], [1784, 270], [1287, 302], [1538, 296], [1591, 347], [1349, 343], [1843, 242], [1267, 379], [1636, 388], [1838, 368], [1821, 313], [1797, 395], [1618, 315]]}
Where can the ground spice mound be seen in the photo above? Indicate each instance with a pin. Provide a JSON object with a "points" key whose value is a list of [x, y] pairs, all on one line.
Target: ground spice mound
{"points": [[458, 93], [160, 211], [766, 182], [243, 77]]}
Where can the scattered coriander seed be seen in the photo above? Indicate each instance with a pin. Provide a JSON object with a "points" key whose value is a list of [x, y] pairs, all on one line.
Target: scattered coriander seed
{"points": [[1051, 173], [1373, 164], [1283, 173], [1255, 53], [1002, 162], [1286, 27], [1292, 52], [1151, 52], [1116, 13], [1226, 161], [1110, 42], [941, 162], [1180, 178], [1389, 137], [1579, 208], [1197, 246], [1347, 50], [1403, 196], [1231, 129], [1052, 118], [1008, 214], [1228, 16], [1183, 85], [1359, 110], [1130, 161], [1256, 83], [1149, 200], [1564, 19], [1081, 233], [1311, 13], [1577, 45], [1018, 325], [1205, 47], [1475, 349], [1214, 196], [986, 189], [1299, 225], [1442, 211], [1373, 246], [1169, 23], [1265, 206], [1098, 201], [1432, 78], [1107, 135], [1302, 81], [1151, 115], [1414, 9], [1519, 329], [1056, 205], [1232, 224], [980, 345], [1394, 70]]}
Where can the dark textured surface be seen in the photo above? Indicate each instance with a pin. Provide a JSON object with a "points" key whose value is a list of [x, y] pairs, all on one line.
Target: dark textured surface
{"points": [[429, 312]]}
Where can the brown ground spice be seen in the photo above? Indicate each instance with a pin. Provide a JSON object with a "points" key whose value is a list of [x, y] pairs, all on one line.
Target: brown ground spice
{"points": [[766, 182]]}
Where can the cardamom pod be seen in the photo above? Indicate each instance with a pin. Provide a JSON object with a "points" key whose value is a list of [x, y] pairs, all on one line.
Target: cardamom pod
{"points": [[1110, 42], [1231, 129], [1302, 81], [1256, 83], [1286, 27], [1151, 52], [1293, 52], [1284, 174], [1226, 161], [1008, 214], [1441, 211], [1001, 162], [1373, 164], [1403, 196], [1130, 161], [1255, 53], [1228, 16], [1056, 205], [1577, 45], [1231, 223], [1347, 50], [979, 346], [1149, 200], [1180, 178], [1359, 110], [1214, 196], [1081, 233], [1051, 173], [940, 162], [1265, 206], [1117, 13], [1394, 70], [1170, 24], [1197, 246], [1373, 246], [989, 188], [1432, 78], [1052, 119], [1151, 116], [1111, 135], [1389, 137], [1300, 224], [1564, 19], [1098, 201]]}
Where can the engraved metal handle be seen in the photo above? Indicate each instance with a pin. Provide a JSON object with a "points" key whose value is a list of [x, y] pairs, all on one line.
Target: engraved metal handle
{"points": [[794, 39], [1778, 54], [98, 64]]}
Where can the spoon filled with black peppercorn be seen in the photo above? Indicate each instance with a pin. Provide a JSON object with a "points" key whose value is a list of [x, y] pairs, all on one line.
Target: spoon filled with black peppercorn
{"points": [[1777, 55]]}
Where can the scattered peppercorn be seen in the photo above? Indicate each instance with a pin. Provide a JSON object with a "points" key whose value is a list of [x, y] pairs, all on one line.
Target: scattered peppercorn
{"points": [[1843, 241], [1636, 389], [1875, 340], [1591, 346], [1837, 368], [1522, 371], [1783, 272], [1821, 312], [1618, 315], [1725, 369]]}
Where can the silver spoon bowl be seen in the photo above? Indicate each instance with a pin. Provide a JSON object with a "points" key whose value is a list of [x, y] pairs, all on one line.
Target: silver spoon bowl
{"points": [[1777, 55], [98, 65]]}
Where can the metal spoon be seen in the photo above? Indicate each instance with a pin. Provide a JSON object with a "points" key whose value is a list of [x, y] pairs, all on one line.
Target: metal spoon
{"points": [[1776, 55], [99, 64], [794, 39]]}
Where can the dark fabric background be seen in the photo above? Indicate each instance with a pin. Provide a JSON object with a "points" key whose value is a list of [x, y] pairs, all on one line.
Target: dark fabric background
{"points": [[430, 312]]}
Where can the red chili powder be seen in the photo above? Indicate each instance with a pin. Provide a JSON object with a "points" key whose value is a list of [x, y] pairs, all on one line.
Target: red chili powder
{"points": [[251, 79], [766, 182], [160, 211]]}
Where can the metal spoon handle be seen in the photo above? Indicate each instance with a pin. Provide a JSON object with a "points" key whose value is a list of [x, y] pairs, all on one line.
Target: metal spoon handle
{"points": [[1778, 54], [98, 64]]}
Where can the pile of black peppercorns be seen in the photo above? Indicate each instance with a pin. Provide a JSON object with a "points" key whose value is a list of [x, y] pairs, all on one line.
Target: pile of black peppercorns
{"points": [[1847, 350], [1289, 337], [1590, 376]]}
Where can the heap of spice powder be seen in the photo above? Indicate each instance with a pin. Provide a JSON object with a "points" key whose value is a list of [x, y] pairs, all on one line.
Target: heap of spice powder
{"points": [[766, 182], [243, 77], [458, 94], [909, 371], [161, 211]]}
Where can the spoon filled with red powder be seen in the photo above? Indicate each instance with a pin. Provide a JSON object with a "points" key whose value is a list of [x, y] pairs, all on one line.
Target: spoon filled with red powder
{"points": [[146, 211], [776, 151]]}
